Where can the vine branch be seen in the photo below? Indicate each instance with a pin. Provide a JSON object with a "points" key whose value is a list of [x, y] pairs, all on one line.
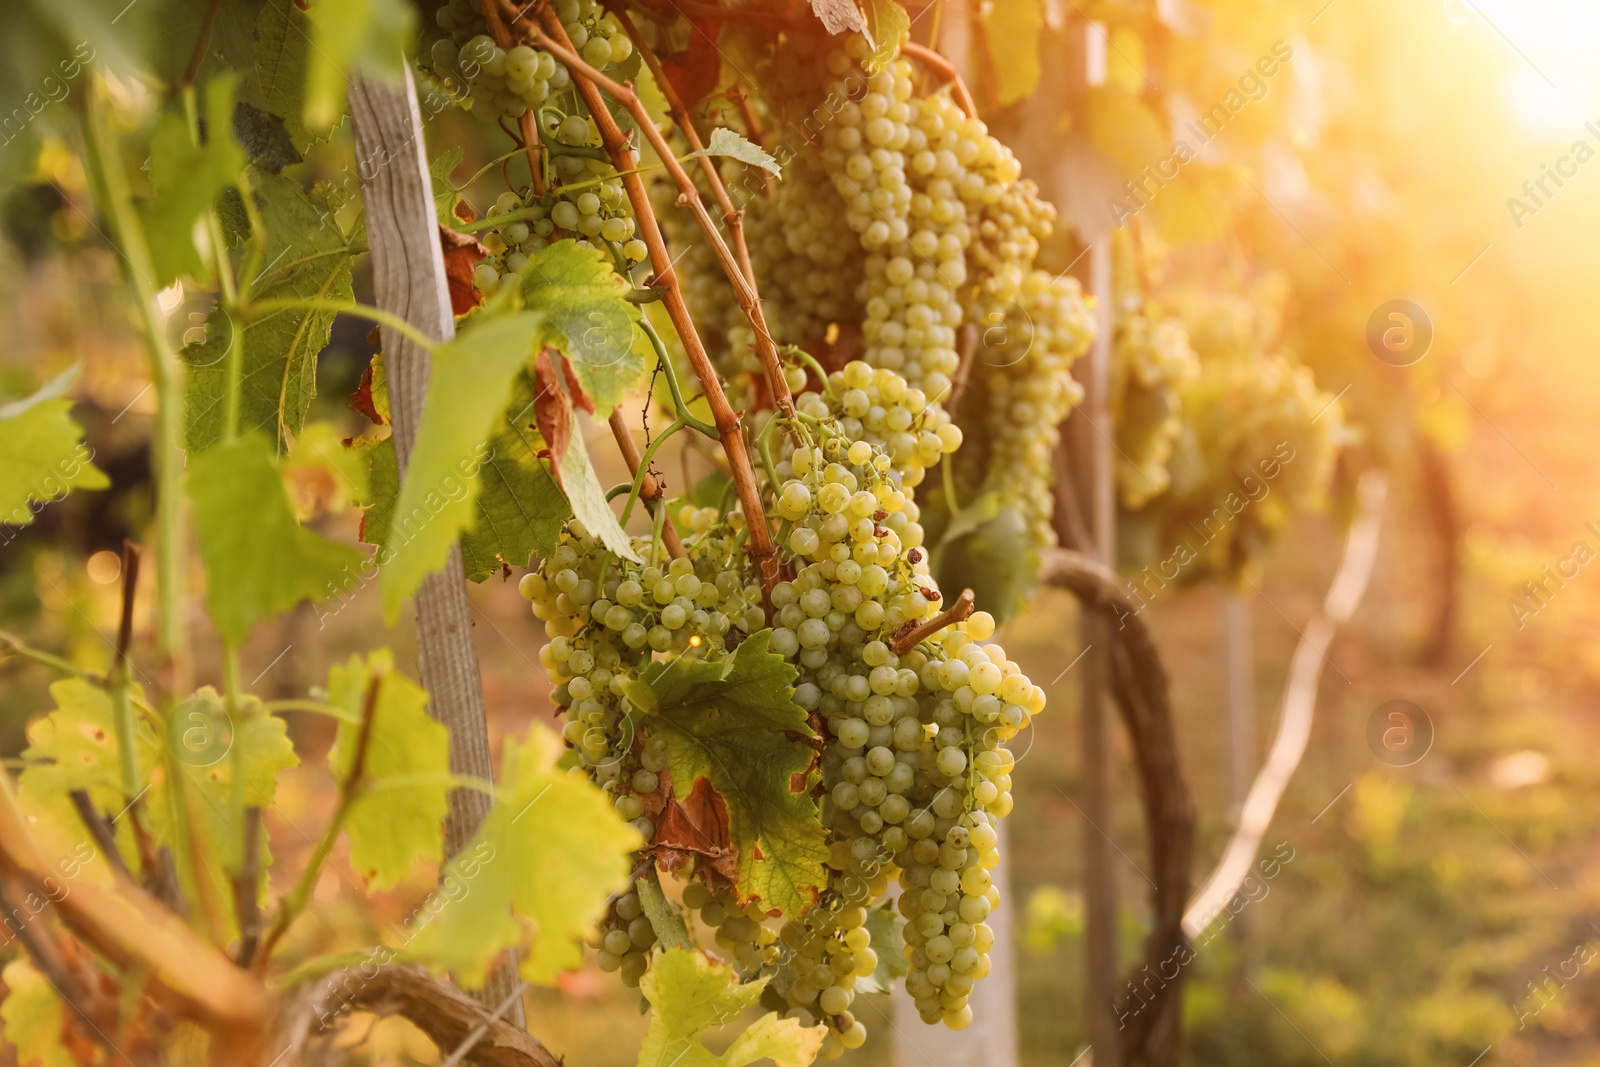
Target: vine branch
{"points": [[557, 43], [946, 70], [729, 423]]}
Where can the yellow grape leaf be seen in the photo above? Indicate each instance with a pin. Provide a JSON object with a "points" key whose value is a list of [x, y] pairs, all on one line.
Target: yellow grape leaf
{"points": [[547, 856], [74, 747], [1011, 31], [33, 1015], [689, 994], [42, 454], [399, 817]]}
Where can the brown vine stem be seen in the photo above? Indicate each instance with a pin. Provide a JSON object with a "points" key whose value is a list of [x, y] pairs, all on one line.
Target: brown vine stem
{"points": [[743, 285], [964, 605], [728, 422], [650, 490], [732, 216], [946, 70]]}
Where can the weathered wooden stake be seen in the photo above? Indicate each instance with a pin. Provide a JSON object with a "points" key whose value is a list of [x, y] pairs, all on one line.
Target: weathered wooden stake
{"points": [[409, 281]]}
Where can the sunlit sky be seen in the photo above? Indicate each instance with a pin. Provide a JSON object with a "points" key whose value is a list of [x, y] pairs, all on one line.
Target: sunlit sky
{"points": [[1553, 87]]}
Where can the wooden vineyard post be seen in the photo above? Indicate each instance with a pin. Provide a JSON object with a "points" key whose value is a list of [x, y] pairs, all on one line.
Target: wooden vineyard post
{"points": [[1089, 441], [409, 281]]}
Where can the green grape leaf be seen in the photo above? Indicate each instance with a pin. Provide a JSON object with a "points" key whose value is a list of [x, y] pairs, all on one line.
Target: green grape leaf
{"points": [[663, 914], [735, 722], [887, 23], [42, 453], [724, 142], [33, 1016], [383, 486], [581, 297], [283, 45], [445, 197], [187, 179], [997, 560], [589, 502], [350, 37], [519, 508], [1011, 32], [887, 928], [689, 994], [390, 828], [307, 257], [258, 559], [547, 856], [468, 388]]}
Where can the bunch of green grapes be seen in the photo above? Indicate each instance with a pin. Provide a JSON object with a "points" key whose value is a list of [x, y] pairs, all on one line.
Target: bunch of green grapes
{"points": [[1151, 360], [1258, 442], [1023, 382], [605, 616], [1008, 234], [490, 81], [591, 207], [738, 930], [624, 938], [881, 410]]}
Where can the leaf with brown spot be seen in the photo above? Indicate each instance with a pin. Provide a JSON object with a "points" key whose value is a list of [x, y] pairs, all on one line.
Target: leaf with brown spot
{"points": [[462, 254], [552, 411], [694, 828]]}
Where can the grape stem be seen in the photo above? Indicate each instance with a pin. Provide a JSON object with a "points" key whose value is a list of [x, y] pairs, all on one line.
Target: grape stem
{"points": [[946, 70], [732, 217], [963, 607], [645, 485], [680, 408], [558, 44], [108, 175], [730, 430]]}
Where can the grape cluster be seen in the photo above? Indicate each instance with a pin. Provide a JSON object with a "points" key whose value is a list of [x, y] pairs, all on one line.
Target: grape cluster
{"points": [[1009, 232], [1024, 369], [1258, 440], [913, 711], [1150, 362], [738, 931], [912, 172], [590, 206], [623, 941], [490, 81], [604, 616]]}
